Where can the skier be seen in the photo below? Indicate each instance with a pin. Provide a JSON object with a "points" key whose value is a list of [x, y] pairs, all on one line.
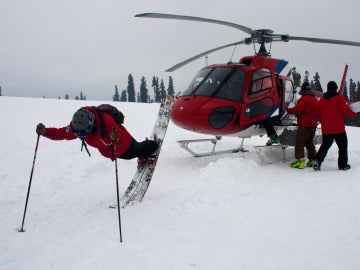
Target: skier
{"points": [[306, 111], [332, 110], [102, 132]]}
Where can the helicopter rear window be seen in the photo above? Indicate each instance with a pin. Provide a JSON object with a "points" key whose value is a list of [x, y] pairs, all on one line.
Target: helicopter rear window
{"points": [[226, 83]]}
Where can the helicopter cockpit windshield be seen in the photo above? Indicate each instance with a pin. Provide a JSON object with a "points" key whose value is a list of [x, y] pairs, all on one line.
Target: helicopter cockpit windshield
{"points": [[225, 83]]}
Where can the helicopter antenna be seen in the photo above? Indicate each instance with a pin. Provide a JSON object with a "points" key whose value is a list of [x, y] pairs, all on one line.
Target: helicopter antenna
{"points": [[232, 55]]}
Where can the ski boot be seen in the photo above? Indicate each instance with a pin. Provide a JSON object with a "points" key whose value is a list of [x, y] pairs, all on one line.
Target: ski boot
{"points": [[317, 165], [298, 164], [272, 141], [310, 163]]}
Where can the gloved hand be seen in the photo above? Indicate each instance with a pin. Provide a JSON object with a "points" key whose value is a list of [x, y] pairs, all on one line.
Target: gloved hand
{"points": [[115, 135], [40, 129]]}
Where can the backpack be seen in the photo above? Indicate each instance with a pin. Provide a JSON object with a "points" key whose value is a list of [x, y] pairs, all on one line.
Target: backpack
{"points": [[111, 110]]}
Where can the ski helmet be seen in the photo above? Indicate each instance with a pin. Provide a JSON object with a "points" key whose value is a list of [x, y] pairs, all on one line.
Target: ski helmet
{"points": [[82, 122]]}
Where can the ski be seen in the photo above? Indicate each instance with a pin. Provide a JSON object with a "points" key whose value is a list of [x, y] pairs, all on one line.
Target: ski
{"points": [[139, 184]]}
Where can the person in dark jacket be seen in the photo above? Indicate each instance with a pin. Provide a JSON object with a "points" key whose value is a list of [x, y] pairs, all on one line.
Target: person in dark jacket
{"points": [[332, 110], [115, 142], [306, 111]]}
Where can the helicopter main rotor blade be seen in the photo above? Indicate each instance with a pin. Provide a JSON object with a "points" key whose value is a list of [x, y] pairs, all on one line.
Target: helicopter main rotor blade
{"points": [[328, 41], [189, 60], [198, 19]]}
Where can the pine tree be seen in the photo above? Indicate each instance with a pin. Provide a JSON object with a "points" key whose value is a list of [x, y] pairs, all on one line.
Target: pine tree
{"points": [[143, 91], [155, 86], [67, 96], [162, 91], [358, 90], [81, 95], [296, 77], [346, 92], [170, 90], [0, 92], [317, 85], [306, 77], [131, 89], [123, 96], [116, 96], [352, 90]]}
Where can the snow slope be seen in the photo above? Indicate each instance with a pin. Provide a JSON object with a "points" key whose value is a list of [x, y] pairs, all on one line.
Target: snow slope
{"points": [[233, 211]]}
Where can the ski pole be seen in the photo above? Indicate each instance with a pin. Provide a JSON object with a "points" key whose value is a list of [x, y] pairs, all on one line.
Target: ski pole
{"points": [[117, 196], [28, 191], [114, 135]]}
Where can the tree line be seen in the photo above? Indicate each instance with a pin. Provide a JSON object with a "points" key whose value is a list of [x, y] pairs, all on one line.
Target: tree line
{"points": [[160, 91], [129, 94], [351, 90], [158, 86]]}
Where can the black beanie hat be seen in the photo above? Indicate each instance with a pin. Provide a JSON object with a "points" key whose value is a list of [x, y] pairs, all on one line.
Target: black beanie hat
{"points": [[332, 86]]}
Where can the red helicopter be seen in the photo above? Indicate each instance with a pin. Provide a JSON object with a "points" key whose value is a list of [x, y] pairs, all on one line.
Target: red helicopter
{"points": [[232, 99]]}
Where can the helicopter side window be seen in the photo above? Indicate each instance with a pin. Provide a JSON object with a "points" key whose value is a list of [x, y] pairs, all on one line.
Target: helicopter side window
{"points": [[289, 91], [260, 82]]}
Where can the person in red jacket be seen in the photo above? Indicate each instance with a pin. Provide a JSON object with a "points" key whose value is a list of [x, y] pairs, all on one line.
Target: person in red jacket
{"points": [[112, 140], [306, 111], [332, 110]]}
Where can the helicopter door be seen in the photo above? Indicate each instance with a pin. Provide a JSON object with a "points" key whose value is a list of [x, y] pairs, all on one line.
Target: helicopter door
{"points": [[261, 99], [288, 100]]}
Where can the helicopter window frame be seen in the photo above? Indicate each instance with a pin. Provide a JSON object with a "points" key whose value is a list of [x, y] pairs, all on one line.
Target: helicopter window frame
{"points": [[261, 83]]}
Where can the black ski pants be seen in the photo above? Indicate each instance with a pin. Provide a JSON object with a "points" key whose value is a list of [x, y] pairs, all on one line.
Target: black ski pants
{"points": [[342, 143], [269, 127], [140, 149]]}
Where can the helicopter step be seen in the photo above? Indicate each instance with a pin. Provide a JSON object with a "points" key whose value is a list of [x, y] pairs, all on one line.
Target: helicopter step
{"points": [[269, 153], [185, 144]]}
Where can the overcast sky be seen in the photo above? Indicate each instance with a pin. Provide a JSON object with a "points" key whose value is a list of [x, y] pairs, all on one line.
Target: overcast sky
{"points": [[50, 48]]}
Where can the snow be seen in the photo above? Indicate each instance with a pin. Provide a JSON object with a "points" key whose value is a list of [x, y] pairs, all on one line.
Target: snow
{"points": [[232, 211]]}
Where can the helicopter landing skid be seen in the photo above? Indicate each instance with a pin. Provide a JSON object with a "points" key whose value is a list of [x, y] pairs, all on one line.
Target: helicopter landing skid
{"points": [[185, 144]]}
